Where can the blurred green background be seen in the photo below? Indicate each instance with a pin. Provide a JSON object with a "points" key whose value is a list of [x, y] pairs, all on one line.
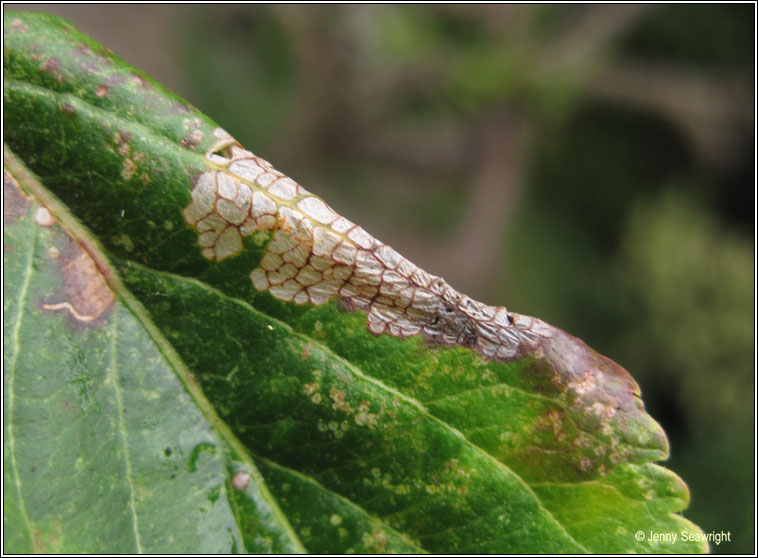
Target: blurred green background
{"points": [[589, 165]]}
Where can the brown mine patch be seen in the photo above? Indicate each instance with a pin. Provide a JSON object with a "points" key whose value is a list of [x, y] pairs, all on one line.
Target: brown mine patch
{"points": [[47, 542], [85, 50], [115, 80], [139, 81], [15, 201], [85, 295], [180, 108], [128, 169], [68, 109], [122, 136], [89, 61], [603, 397], [192, 140], [52, 66], [17, 26]]}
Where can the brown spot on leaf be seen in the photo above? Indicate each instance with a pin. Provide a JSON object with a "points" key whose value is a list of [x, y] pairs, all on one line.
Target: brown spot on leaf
{"points": [[84, 49], [121, 139], [306, 352], [68, 109], [128, 169], [89, 61], [180, 108], [122, 136], [241, 480], [101, 91], [85, 294], [140, 81], [17, 26], [52, 66], [47, 542], [114, 80], [192, 140]]}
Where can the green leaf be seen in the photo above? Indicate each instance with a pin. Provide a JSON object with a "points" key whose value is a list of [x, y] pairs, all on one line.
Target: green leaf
{"points": [[108, 445], [385, 411]]}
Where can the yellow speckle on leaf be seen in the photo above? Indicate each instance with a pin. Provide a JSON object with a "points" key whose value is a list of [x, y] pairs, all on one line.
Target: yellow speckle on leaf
{"points": [[311, 388], [128, 169], [125, 241]]}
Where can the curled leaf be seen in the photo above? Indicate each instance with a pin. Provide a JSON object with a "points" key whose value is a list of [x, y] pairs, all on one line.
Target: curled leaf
{"points": [[385, 411]]}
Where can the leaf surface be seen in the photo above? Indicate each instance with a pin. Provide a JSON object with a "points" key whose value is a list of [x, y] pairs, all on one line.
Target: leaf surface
{"points": [[105, 449], [386, 411]]}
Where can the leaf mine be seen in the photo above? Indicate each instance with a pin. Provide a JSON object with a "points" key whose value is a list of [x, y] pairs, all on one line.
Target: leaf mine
{"points": [[315, 255]]}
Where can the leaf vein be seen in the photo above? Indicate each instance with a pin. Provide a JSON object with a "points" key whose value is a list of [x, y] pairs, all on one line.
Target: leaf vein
{"points": [[122, 429], [11, 378], [373, 518], [355, 370]]}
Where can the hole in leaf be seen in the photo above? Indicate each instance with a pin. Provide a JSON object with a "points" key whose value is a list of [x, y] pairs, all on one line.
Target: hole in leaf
{"points": [[224, 151]]}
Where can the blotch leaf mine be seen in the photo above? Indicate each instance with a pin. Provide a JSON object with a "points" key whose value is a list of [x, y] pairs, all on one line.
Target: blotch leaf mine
{"points": [[290, 382]]}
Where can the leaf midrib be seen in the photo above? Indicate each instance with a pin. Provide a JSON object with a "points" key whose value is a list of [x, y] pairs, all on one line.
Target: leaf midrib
{"points": [[113, 373], [11, 380]]}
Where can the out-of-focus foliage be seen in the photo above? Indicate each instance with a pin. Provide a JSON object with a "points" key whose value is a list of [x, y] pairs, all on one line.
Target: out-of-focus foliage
{"points": [[601, 157], [690, 280]]}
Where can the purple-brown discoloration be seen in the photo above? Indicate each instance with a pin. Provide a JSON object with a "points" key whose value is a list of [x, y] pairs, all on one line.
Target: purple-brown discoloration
{"points": [[15, 202], [601, 420], [315, 256], [84, 296], [68, 109]]}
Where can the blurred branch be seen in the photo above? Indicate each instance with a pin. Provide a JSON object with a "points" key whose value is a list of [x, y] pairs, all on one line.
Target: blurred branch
{"points": [[442, 148], [510, 20], [585, 39], [320, 107], [471, 260], [706, 107]]}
